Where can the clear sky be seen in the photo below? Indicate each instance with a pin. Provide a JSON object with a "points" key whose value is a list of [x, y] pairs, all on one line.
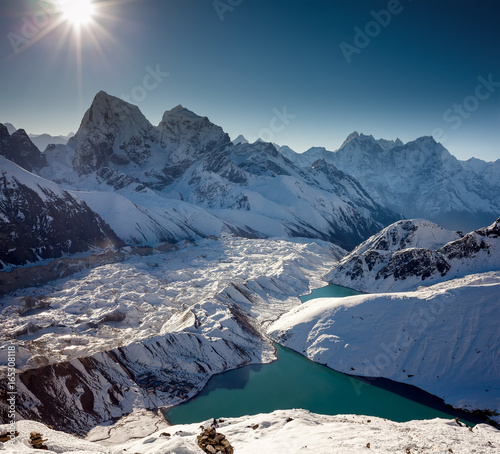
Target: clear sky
{"points": [[298, 72]]}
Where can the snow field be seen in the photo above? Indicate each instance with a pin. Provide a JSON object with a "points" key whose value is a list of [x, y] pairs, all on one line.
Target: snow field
{"points": [[282, 432]]}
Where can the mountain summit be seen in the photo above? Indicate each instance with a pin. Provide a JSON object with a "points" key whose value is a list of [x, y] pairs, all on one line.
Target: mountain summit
{"points": [[112, 131]]}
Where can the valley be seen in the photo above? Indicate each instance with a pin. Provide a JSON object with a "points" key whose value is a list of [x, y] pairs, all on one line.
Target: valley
{"points": [[139, 261]]}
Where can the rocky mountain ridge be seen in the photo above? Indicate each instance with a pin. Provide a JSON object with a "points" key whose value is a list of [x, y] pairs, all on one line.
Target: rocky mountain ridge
{"points": [[41, 141], [188, 165], [39, 220], [416, 252], [18, 148], [185, 179]]}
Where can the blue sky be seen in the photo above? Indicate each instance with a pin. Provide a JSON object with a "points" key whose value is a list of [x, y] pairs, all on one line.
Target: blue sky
{"points": [[302, 73]]}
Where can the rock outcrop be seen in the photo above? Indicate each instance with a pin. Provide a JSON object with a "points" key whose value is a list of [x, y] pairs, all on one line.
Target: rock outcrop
{"points": [[214, 443], [20, 149], [412, 253]]}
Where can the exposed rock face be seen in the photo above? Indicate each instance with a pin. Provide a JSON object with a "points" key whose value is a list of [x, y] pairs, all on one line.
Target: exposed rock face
{"points": [[38, 220], [116, 135], [112, 131], [188, 135], [393, 260], [20, 149]]}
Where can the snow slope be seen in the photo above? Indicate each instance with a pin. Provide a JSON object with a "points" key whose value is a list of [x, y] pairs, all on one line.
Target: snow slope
{"points": [[147, 218], [416, 252], [442, 338], [288, 432]]}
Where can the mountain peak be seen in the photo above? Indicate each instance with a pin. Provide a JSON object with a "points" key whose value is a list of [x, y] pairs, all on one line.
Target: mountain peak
{"points": [[352, 136], [179, 111], [240, 139], [111, 114], [104, 102], [4, 131], [188, 135], [10, 127], [21, 133], [109, 123], [19, 149], [426, 140], [366, 140]]}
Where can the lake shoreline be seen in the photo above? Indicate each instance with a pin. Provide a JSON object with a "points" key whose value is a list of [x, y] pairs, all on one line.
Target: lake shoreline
{"points": [[409, 392]]}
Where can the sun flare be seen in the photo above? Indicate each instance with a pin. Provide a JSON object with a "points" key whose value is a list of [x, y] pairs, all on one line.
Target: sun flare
{"points": [[77, 12]]}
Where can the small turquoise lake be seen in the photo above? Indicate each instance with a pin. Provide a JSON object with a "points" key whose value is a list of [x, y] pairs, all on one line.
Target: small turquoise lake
{"points": [[330, 291], [294, 381]]}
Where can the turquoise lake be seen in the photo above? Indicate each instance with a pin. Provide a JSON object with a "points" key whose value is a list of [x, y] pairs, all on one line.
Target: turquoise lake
{"points": [[293, 381], [330, 291]]}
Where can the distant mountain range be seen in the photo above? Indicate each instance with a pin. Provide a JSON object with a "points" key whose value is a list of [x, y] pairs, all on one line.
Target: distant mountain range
{"points": [[42, 141], [185, 179], [419, 179]]}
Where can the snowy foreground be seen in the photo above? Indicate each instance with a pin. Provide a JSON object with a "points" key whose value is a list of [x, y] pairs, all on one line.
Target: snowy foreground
{"points": [[284, 432]]}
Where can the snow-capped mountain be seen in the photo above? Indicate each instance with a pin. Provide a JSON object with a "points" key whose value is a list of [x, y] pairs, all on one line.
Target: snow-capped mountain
{"points": [[115, 135], [418, 179], [41, 141], [18, 148], [428, 319], [383, 143], [188, 164], [112, 132], [148, 328], [412, 253], [240, 139], [39, 220]]}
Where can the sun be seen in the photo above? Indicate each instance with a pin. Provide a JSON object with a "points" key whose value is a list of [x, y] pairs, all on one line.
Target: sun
{"points": [[77, 12]]}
